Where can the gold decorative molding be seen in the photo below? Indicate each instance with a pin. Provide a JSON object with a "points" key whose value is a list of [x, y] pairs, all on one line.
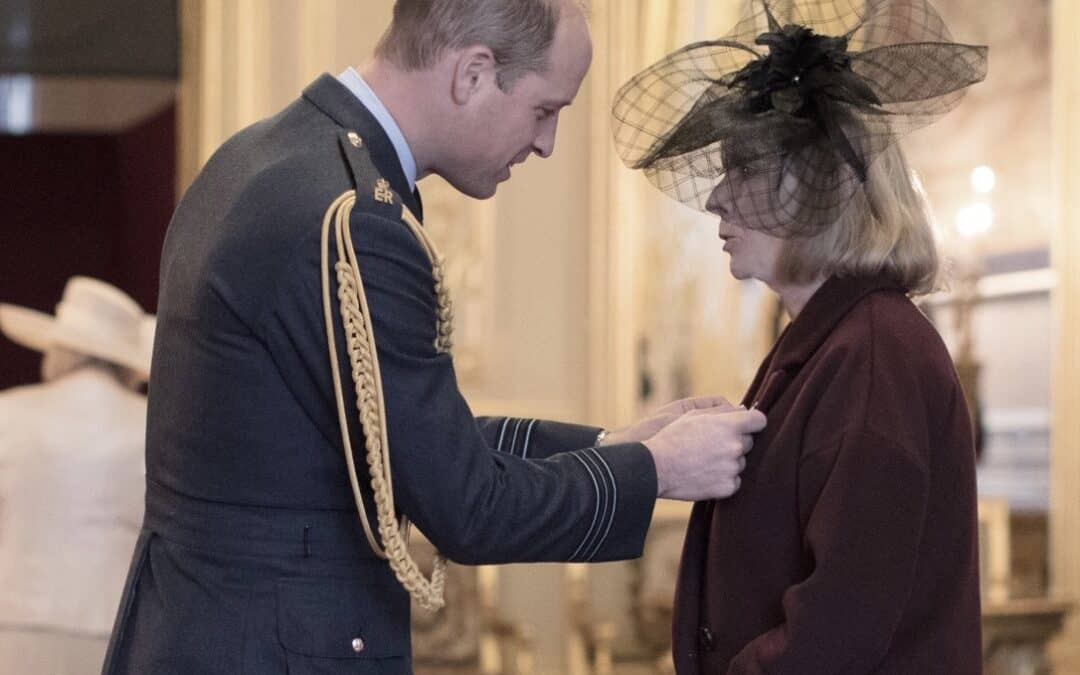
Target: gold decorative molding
{"points": [[634, 637], [465, 231], [1065, 251], [189, 97], [469, 636], [995, 549], [1015, 635]]}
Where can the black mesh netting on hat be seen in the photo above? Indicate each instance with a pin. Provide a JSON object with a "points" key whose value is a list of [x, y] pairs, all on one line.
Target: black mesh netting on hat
{"points": [[775, 125]]}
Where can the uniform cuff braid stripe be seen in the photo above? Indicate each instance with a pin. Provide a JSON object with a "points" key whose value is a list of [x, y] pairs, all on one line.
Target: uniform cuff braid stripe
{"points": [[607, 495], [515, 435]]}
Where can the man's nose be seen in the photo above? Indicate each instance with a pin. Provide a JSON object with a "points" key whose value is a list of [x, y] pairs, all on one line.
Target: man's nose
{"points": [[544, 144]]}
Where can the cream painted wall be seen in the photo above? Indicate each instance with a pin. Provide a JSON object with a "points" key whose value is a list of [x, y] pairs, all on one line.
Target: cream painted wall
{"points": [[357, 26], [541, 235]]}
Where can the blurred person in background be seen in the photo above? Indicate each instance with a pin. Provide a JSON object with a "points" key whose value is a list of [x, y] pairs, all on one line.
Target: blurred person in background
{"points": [[71, 477]]}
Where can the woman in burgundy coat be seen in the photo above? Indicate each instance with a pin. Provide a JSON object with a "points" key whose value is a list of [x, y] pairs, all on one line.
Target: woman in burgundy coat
{"points": [[852, 544]]}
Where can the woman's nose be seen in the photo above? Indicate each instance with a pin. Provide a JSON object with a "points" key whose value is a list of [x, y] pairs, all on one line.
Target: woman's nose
{"points": [[719, 203]]}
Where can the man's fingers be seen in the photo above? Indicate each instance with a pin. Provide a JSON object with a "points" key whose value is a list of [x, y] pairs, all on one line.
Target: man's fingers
{"points": [[732, 467], [729, 487], [707, 402], [716, 410], [714, 403], [747, 444], [702, 454], [748, 421], [735, 446], [740, 420]]}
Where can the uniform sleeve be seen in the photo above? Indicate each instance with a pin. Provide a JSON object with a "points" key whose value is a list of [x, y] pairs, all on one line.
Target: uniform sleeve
{"points": [[476, 504], [535, 439], [863, 501]]}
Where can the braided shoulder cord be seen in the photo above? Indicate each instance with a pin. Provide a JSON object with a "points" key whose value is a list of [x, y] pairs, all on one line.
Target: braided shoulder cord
{"points": [[364, 362]]}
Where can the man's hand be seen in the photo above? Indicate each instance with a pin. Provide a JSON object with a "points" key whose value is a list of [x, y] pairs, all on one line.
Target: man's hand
{"points": [[647, 427], [701, 454]]}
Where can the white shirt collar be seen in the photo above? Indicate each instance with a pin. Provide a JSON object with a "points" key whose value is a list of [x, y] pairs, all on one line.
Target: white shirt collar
{"points": [[356, 84]]}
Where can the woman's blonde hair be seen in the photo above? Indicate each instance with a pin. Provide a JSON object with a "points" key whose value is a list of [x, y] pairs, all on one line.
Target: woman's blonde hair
{"points": [[887, 229]]}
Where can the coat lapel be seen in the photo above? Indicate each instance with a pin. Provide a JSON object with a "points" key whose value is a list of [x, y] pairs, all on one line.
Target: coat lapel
{"points": [[800, 340]]}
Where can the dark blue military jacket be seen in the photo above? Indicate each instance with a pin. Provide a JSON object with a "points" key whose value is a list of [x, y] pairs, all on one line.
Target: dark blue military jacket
{"points": [[252, 558]]}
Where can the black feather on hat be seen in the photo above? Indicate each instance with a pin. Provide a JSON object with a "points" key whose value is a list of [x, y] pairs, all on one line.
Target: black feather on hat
{"points": [[803, 94]]}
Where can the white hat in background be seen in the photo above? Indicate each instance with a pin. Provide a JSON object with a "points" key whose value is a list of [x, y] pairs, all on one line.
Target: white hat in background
{"points": [[94, 319]]}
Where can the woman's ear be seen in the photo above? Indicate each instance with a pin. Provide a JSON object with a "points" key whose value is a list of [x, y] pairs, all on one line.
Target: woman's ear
{"points": [[474, 70]]}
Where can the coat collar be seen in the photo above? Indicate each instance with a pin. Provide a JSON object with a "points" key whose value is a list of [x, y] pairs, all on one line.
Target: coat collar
{"points": [[339, 104], [831, 303], [825, 309]]}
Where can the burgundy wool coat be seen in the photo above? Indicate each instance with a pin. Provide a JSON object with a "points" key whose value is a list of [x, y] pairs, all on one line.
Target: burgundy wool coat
{"points": [[852, 545]]}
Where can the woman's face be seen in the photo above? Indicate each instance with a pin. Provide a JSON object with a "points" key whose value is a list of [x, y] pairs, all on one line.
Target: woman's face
{"points": [[754, 253]]}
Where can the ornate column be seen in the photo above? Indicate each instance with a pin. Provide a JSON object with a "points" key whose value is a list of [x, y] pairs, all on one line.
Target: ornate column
{"points": [[612, 225], [1065, 482], [627, 35], [221, 83], [244, 59]]}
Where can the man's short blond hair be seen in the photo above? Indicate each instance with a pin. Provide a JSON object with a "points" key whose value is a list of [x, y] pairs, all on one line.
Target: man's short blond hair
{"points": [[887, 229], [518, 32]]}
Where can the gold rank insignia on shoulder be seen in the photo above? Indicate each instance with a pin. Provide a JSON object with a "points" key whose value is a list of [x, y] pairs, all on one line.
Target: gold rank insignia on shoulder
{"points": [[383, 193]]}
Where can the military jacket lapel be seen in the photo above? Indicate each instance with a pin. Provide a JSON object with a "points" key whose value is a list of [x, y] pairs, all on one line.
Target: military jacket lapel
{"points": [[340, 105]]}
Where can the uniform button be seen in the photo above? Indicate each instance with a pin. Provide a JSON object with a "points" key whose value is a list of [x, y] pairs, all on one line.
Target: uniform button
{"points": [[705, 637], [357, 645], [355, 139]]}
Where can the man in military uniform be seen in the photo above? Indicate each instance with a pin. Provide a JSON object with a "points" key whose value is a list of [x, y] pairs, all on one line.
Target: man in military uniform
{"points": [[253, 557]]}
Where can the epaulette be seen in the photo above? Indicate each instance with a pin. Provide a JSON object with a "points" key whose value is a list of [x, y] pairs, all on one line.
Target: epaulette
{"points": [[373, 192]]}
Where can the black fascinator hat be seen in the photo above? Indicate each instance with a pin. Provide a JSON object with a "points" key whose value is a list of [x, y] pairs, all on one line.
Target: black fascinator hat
{"points": [[777, 124]]}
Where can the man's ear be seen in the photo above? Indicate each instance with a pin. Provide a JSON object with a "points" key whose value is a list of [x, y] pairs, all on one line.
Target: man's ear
{"points": [[474, 70]]}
